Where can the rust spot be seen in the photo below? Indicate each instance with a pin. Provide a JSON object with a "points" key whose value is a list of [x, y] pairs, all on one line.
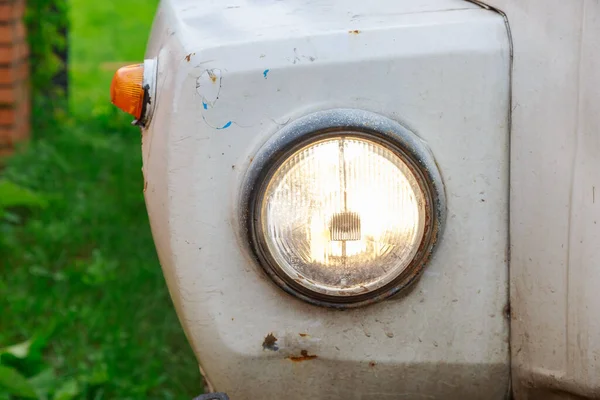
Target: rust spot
{"points": [[270, 343], [372, 364], [187, 58], [354, 32], [304, 356], [213, 78], [303, 334]]}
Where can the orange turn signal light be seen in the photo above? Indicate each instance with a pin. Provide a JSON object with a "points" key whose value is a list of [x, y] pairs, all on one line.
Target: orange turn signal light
{"points": [[126, 90]]}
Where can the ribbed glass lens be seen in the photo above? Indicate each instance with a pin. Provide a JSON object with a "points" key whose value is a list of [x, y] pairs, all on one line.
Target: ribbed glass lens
{"points": [[343, 216]]}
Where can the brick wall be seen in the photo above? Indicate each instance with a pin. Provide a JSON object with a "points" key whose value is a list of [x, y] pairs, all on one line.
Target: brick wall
{"points": [[14, 88]]}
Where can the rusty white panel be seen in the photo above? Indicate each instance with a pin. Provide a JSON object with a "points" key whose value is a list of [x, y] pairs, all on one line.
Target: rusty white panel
{"points": [[555, 208], [230, 75]]}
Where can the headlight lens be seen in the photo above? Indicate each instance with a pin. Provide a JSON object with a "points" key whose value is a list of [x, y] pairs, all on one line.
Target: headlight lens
{"points": [[342, 216]]}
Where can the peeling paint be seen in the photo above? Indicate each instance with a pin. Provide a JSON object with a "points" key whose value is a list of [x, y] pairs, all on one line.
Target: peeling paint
{"points": [[270, 343], [227, 124]]}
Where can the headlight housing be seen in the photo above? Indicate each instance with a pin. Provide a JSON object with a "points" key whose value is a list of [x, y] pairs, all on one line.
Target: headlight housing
{"points": [[341, 212]]}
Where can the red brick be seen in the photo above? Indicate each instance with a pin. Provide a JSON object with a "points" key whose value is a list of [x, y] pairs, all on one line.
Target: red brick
{"points": [[8, 95], [10, 54], [6, 54], [10, 135], [6, 33], [6, 137], [7, 75], [13, 116], [18, 72], [6, 12], [14, 72], [12, 32], [11, 74], [8, 116], [13, 94]]}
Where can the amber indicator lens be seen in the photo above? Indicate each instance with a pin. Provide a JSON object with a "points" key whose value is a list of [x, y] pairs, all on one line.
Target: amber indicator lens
{"points": [[126, 90]]}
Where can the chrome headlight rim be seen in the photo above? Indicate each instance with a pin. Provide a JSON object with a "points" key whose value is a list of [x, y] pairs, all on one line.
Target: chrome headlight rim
{"points": [[349, 123]]}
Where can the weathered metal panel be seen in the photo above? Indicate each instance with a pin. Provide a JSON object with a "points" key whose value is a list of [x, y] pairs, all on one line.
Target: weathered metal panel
{"points": [[555, 210], [230, 76]]}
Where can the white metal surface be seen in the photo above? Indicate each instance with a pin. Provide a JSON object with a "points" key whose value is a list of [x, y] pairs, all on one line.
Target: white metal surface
{"points": [[555, 202], [230, 75]]}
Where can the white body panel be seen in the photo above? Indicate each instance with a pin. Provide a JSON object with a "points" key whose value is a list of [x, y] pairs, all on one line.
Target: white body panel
{"points": [[555, 202], [229, 77]]}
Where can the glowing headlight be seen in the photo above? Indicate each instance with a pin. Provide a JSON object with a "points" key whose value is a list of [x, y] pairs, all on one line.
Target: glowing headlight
{"points": [[343, 218]]}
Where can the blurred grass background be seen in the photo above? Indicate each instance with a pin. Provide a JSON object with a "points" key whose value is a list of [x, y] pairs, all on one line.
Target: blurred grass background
{"points": [[85, 311]]}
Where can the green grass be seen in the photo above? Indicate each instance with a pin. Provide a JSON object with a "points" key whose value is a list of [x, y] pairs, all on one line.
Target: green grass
{"points": [[78, 270]]}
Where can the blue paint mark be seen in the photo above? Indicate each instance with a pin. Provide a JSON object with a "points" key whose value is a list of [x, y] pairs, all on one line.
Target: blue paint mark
{"points": [[205, 105], [265, 72], [227, 125]]}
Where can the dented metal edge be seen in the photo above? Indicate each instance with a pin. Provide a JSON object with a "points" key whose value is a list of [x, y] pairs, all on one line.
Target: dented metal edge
{"points": [[509, 394]]}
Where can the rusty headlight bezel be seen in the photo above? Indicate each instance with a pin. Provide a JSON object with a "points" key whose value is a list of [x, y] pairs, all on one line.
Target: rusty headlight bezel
{"points": [[372, 127]]}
